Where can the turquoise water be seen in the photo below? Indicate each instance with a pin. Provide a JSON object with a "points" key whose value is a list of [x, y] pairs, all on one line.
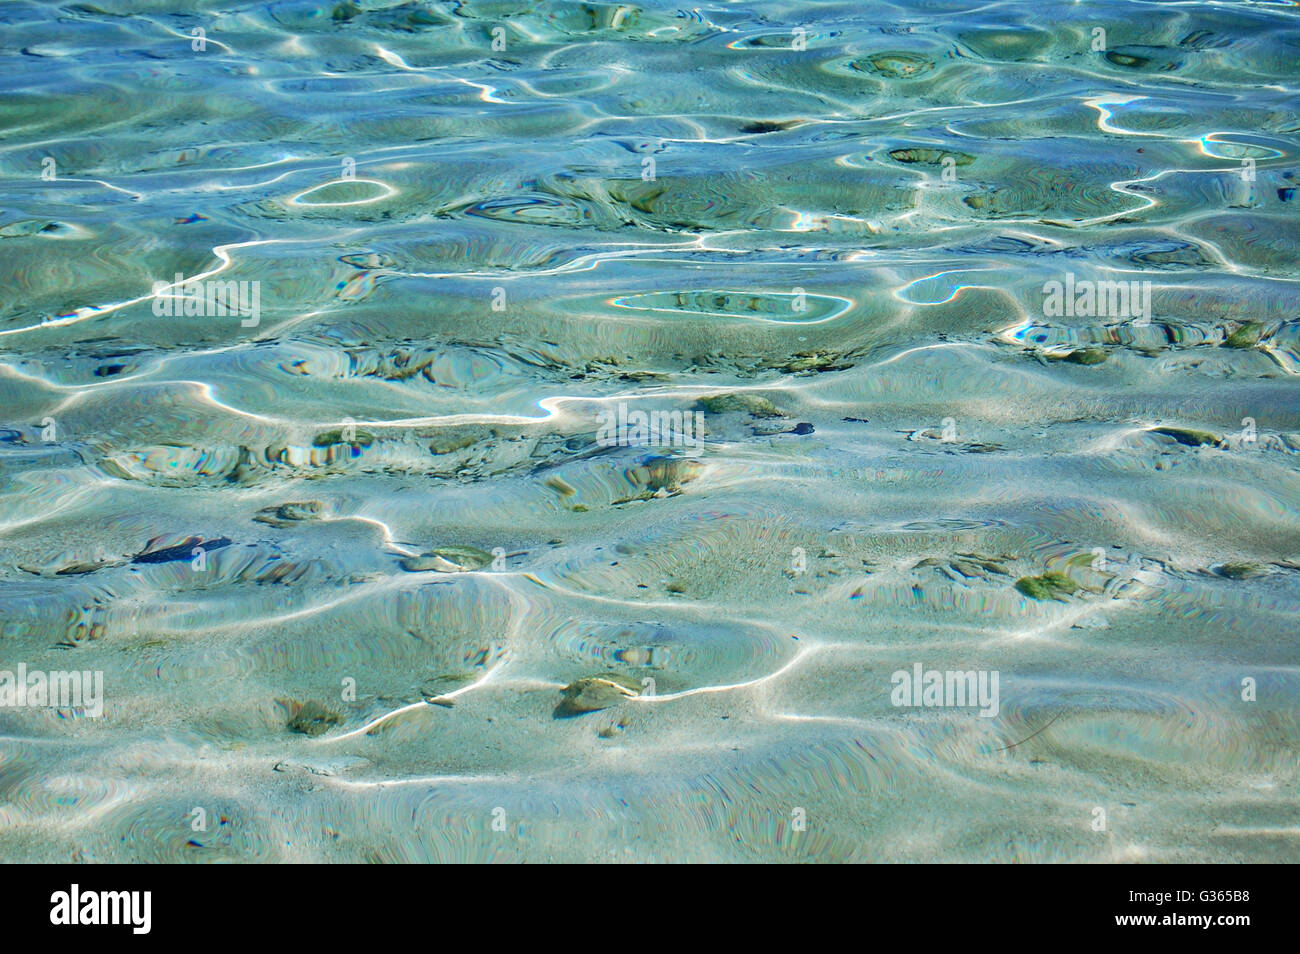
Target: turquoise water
{"points": [[727, 365]]}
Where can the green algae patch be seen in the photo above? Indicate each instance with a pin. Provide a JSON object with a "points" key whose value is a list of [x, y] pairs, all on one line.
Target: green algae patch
{"points": [[1052, 585], [751, 404], [449, 444], [1246, 336]]}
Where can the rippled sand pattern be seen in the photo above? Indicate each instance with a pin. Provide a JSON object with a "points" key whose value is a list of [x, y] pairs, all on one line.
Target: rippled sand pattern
{"points": [[834, 231]]}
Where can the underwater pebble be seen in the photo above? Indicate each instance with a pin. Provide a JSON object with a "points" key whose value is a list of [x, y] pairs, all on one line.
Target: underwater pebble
{"points": [[448, 560], [592, 693]]}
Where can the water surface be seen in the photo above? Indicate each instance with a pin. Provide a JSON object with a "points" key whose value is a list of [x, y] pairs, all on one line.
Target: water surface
{"points": [[478, 227]]}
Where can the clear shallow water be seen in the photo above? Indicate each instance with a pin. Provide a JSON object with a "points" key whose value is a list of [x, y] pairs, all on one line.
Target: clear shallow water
{"points": [[464, 256]]}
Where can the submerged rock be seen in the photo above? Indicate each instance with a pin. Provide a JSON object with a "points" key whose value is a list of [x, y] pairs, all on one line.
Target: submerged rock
{"points": [[356, 438], [896, 65], [1148, 58], [767, 126], [448, 560], [343, 12], [435, 689], [450, 443], [663, 473], [930, 157], [993, 564], [153, 553], [336, 765], [592, 693], [287, 514], [1241, 571], [1052, 585], [1086, 356], [75, 569], [310, 718], [1188, 437], [74, 566], [802, 429], [809, 361]]}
